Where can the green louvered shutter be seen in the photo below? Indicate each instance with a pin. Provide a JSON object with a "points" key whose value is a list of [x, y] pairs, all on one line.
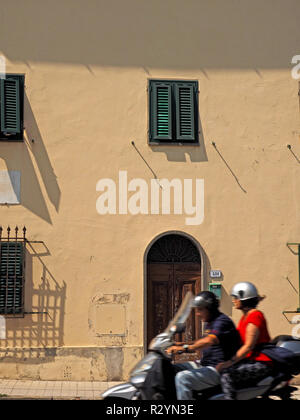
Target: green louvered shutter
{"points": [[185, 111], [10, 106], [11, 278], [161, 111]]}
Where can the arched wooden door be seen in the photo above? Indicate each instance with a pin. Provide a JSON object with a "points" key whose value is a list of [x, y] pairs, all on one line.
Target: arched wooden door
{"points": [[173, 268]]}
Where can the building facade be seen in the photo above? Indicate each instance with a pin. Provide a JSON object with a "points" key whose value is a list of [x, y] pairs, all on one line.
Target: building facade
{"points": [[143, 144]]}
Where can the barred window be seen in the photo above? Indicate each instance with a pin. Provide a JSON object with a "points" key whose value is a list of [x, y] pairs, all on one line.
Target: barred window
{"points": [[12, 276]]}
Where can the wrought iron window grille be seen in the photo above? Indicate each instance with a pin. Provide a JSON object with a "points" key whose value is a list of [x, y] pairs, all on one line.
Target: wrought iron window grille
{"points": [[173, 248], [12, 272]]}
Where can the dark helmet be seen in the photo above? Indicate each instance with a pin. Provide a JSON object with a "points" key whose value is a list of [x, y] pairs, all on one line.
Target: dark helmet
{"points": [[207, 300]]}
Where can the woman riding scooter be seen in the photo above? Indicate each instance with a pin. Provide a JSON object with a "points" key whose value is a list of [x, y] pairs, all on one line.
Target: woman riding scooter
{"points": [[247, 363]]}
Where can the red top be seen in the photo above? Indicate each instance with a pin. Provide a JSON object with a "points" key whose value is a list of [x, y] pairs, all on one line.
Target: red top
{"points": [[257, 318]]}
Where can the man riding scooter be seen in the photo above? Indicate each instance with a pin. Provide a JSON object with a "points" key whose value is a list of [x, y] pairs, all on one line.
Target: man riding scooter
{"points": [[219, 344]]}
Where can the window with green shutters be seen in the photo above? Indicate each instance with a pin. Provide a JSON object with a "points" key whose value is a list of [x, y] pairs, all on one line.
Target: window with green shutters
{"points": [[12, 277], [11, 107], [173, 111]]}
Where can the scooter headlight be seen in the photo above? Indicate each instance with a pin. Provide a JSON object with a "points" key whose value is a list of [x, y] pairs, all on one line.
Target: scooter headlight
{"points": [[143, 368], [138, 379], [144, 365]]}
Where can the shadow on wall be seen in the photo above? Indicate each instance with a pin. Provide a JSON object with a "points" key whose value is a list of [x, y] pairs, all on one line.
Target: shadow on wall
{"points": [[249, 34], [35, 337], [226, 300], [24, 156], [226, 303], [175, 153], [40, 154]]}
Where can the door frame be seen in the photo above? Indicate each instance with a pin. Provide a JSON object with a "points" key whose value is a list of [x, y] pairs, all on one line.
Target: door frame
{"points": [[203, 268]]}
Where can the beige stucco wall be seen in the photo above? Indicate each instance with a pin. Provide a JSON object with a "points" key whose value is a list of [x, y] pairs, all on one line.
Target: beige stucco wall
{"points": [[87, 68]]}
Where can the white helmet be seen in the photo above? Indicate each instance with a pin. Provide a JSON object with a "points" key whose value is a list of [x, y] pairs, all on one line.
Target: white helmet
{"points": [[244, 291]]}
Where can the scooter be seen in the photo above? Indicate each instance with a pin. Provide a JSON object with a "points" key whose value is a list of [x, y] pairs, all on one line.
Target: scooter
{"points": [[276, 385]]}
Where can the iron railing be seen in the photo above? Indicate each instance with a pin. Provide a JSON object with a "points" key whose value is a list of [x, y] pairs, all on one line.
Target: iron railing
{"points": [[12, 272]]}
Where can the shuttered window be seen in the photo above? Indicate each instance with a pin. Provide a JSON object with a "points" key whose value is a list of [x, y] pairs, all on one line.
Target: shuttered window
{"points": [[162, 112], [173, 111], [11, 107], [11, 277]]}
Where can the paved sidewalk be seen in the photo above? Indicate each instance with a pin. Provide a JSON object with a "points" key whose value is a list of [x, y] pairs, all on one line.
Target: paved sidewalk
{"points": [[53, 389], [63, 390]]}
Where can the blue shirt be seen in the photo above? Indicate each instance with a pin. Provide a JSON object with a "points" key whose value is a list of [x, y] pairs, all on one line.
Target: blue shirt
{"points": [[229, 340]]}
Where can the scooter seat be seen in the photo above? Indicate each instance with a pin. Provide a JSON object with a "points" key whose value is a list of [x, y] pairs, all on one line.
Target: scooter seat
{"points": [[281, 338]]}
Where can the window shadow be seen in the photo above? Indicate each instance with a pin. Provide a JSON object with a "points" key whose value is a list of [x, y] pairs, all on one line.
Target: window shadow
{"points": [[38, 149], [178, 153], [37, 335], [30, 190], [26, 157]]}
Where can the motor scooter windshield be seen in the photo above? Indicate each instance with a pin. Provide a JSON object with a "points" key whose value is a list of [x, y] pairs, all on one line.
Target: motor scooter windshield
{"points": [[182, 314]]}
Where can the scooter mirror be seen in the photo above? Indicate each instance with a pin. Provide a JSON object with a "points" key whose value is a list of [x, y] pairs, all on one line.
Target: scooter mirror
{"points": [[177, 328]]}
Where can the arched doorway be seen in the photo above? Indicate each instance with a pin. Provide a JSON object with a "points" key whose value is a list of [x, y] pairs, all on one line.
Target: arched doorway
{"points": [[173, 268]]}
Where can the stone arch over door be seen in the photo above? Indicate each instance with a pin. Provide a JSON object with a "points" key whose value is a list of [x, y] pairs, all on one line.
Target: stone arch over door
{"points": [[173, 267]]}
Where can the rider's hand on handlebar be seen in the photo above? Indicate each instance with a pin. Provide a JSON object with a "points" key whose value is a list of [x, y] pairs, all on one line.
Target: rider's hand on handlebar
{"points": [[174, 349]]}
